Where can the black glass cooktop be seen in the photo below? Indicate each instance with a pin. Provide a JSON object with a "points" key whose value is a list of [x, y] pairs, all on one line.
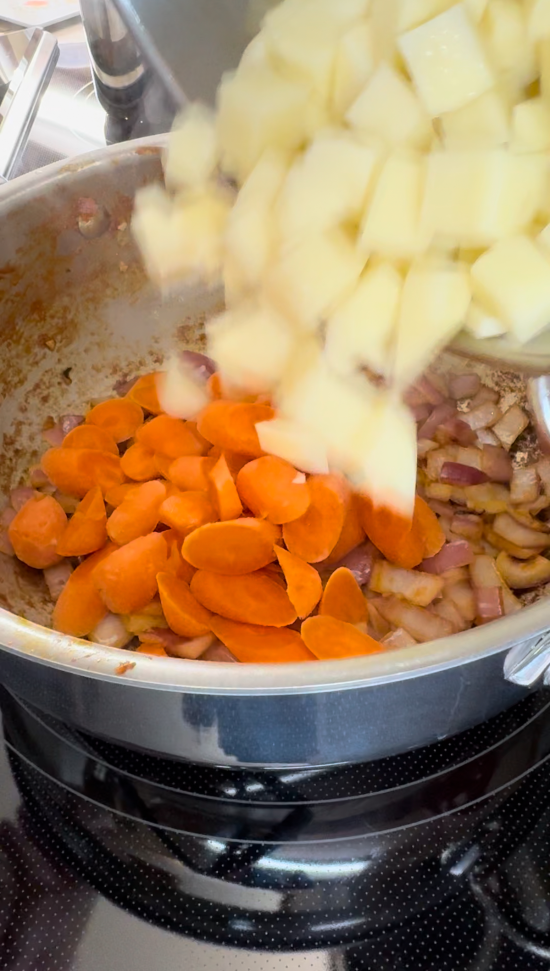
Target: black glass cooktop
{"points": [[437, 860]]}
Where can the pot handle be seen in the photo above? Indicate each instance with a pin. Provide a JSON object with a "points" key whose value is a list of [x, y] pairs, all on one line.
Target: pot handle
{"points": [[529, 662], [21, 99]]}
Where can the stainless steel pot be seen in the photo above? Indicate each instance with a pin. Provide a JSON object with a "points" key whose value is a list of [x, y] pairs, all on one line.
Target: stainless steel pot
{"points": [[78, 314]]}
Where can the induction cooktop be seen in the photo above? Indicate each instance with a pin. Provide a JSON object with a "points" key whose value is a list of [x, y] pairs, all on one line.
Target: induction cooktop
{"points": [[435, 860]]}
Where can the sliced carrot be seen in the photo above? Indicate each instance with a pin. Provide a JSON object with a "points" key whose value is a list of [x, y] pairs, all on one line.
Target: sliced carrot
{"points": [[189, 472], [36, 530], [176, 565], [145, 394], [155, 650], [233, 548], [114, 496], [391, 534], [162, 463], [426, 525], [138, 513], [251, 599], [91, 436], [224, 491], [187, 512], [304, 585], [252, 644], [74, 471], [215, 386], [193, 427], [352, 532], [314, 535], [80, 608], [272, 489], [329, 639], [120, 417], [127, 579], [232, 425], [87, 530], [185, 615], [170, 437], [343, 599], [139, 463], [236, 461]]}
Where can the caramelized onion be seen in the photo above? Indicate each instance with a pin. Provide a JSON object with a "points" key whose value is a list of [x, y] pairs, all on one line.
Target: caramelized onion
{"points": [[524, 575], [464, 386], [489, 603], [455, 473], [19, 497], [398, 638], [56, 578], [451, 557], [483, 417], [220, 654], [439, 415], [510, 427], [496, 463], [68, 422]]}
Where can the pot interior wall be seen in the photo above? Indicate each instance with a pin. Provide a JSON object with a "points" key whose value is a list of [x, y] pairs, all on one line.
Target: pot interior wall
{"points": [[77, 316]]}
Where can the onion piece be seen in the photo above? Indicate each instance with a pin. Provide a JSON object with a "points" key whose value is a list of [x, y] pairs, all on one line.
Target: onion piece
{"points": [[177, 646], [455, 473], [441, 508], [484, 573], [543, 469], [19, 497], [68, 503], [448, 610], [68, 422], [37, 477], [510, 427], [398, 638], [467, 525], [464, 386], [524, 575], [498, 543], [459, 431], [451, 557], [463, 597], [439, 415], [417, 621], [53, 436], [525, 485], [484, 394], [219, 653], [111, 632], [421, 412], [414, 586], [489, 603], [429, 390], [439, 491], [521, 535], [56, 578], [489, 497], [6, 517], [510, 603], [377, 626], [486, 437], [496, 463], [436, 460], [201, 363], [359, 562], [483, 417], [425, 445], [123, 386]]}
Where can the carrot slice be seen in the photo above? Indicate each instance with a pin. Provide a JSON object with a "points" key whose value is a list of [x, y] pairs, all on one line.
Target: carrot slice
{"points": [[145, 394], [272, 489], [36, 530], [252, 644], [224, 491], [352, 532], [176, 565], [214, 386], [87, 529], [185, 615], [74, 471], [189, 472], [170, 437], [304, 586], [120, 417], [138, 463], [138, 513], [155, 650], [250, 599], [232, 425], [127, 579], [235, 461], [234, 548], [328, 639], [426, 525], [404, 543], [114, 496], [91, 436], [162, 463], [187, 511], [80, 608], [343, 598], [314, 535]]}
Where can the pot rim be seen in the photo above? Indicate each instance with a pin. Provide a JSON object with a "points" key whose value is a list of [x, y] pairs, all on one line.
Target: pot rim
{"points": [[44, 646]]}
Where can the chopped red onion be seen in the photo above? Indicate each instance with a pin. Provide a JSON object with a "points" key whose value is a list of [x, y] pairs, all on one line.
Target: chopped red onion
{"points": [[484, 394], [467, 525], [421, 412], [525, 485], [203, 365], [489, 603], [111, 632], [7, 516], [38, 477], [439, 415], [464, 386], [53, 436], [19, 497], [56, 578], [441, 508], [486, 437], [177, 646], [510, 427], [454, 473], [359, 562], [483, 417], [124, 385], [68, 422], [429, 390], [496, 463], [451, 557], [219, 654], [459, 431]]}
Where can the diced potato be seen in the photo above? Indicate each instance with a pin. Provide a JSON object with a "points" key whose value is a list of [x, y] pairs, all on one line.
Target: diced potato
{"points": [[531, 126], [504, 29], [353, 67], [543, 58], [388, 109], [312, 276], [250, 236], [181, 393], [447, 62], [327, 186], [256, 53], [156, 235], [543, 238], [251, 346], [475, 197], [412, 13], [304, 41], [539, 19], [512, 279], [259, 109], [476, 9], [295, 444], [434, 304], [482, 324], [388, 471], [192, 153], [391, 227], [483, 123], [358, 333]]}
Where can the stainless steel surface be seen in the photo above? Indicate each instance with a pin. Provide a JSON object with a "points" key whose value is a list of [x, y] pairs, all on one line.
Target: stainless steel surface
{"points": [[106, 321], [117, 62], [27, 61], [538, 390]]}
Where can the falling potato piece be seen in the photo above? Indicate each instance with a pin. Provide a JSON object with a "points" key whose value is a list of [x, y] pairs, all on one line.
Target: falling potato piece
{"points": [[539, 20], [392, 225], [181, 393], [251, 346], [157, 236], [482, 324], [483, 123], [387, 475], [412, 13], [192, 153], [531, 126], [353, 67], [290, 441], [513, 280], [388, 109], [303, 42], [504, 30]]}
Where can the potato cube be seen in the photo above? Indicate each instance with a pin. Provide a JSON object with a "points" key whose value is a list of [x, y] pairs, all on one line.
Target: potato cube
{"points": [[251, 346], [435, 300], [250, 235], [192, 153], [387, 472], [447, 61], [412, 13], [156, 236], [504, 29], [512, 279], [353, 67], [543, 239], [388, 109], [304, 42], [259, 109], [181, 393], [359, 332], [327, 186], [482, 324], [391, 227], [531, 126], [294, 443], [475, 197], [543, 60], [313, 275], [476, 9], [539, 20], [483, 123]]}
